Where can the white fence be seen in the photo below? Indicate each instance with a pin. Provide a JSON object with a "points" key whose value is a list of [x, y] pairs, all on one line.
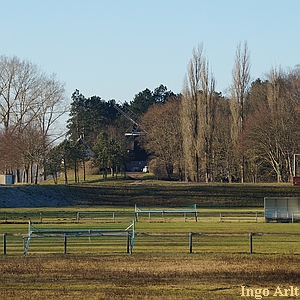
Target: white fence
{"points": [[34, 232], [183, 211]]}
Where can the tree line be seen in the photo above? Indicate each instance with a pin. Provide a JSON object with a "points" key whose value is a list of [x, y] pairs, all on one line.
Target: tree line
{"points": [[249, 135], [97, 132]]}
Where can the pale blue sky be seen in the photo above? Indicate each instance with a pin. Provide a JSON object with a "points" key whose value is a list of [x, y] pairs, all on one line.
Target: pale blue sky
{"points": [[117, 48]]}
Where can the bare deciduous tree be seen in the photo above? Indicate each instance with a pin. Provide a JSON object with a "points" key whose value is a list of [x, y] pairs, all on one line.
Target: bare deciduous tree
{"points": [[19, 91], [207, 117], [272, 133], [239, 90], [164, 138], [30, 101], [192, 146], [197, 117]]}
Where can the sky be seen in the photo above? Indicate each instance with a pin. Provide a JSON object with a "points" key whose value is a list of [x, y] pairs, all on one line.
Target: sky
{"points": [[117, 48]]}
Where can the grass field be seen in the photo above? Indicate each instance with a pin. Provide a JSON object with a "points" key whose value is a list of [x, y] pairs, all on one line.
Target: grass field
{"points": [[161, 266], [144, 276]]}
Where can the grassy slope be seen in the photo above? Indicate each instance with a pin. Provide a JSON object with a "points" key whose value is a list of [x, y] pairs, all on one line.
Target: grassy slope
{"points": [[143, 193], [155, 193]]}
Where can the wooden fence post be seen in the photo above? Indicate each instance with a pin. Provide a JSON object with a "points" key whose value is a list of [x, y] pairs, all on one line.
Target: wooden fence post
{"points": [[191, 242], [65, 244], [4, 243], [250, 242], [129, 250]]}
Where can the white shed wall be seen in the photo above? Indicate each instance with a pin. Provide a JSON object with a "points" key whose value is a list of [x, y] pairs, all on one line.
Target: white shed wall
{"points": [[282, 208], [6, 179]]}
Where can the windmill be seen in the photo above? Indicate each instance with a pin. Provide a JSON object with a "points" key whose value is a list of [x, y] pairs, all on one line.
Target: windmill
{"points": [[131, 116], [138, 155]]}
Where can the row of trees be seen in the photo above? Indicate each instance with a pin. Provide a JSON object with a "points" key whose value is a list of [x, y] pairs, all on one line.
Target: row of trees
{"points": [[96, 132], [199, 135], [251, 135]]}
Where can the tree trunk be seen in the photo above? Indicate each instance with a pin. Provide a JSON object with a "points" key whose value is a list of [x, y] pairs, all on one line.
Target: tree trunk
{"points": [[65, 171], [112, 171], [36, 174], [84, 171]]}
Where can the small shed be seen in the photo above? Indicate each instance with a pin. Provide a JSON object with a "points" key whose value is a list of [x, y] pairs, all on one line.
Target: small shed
{"points": [[7, 179], [282, 209]]}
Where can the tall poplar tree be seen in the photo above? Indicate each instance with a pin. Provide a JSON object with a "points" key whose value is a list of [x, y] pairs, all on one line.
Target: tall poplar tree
{"points": [[239, 89], [197, 117]]}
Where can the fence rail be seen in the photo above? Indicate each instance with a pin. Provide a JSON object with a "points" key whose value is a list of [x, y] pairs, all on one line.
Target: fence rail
{"points": [[239, 216], [103, 215], [193, 210], [99, 215], [34, 232], [37, 216], [110, 241], [139, 215]]}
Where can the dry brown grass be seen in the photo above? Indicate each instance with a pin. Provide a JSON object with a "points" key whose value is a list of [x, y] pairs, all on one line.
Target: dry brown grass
{"points": [[144, 276]]}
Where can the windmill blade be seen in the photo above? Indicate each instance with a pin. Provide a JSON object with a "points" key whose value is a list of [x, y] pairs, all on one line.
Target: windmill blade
{"points": [[131, 116]]}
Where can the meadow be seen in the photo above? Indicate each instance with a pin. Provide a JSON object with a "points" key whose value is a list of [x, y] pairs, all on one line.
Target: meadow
{"points": [[161, 265]]}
